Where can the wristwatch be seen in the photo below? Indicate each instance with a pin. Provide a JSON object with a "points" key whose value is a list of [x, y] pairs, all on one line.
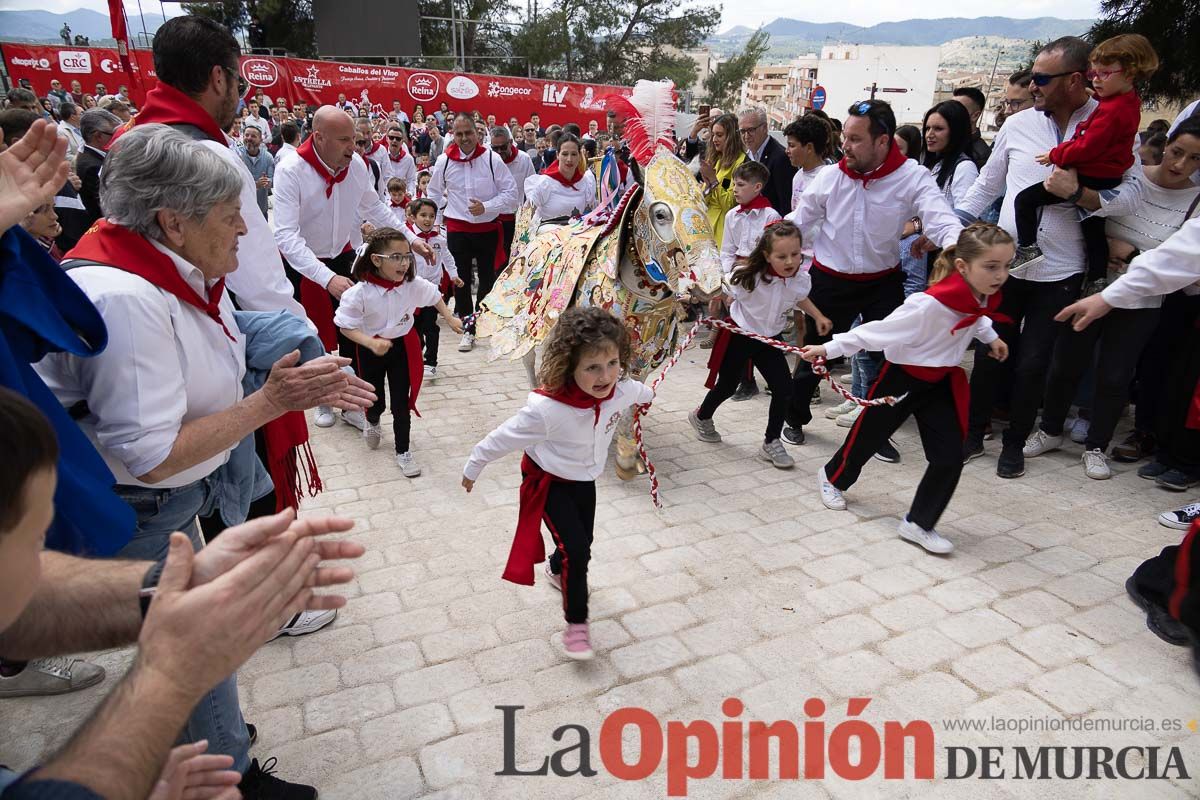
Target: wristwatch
{"points": [[1074, 197], [150, 585]]}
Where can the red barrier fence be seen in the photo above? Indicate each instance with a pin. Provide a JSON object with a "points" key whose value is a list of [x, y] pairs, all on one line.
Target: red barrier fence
{"points": [[318, 82]]}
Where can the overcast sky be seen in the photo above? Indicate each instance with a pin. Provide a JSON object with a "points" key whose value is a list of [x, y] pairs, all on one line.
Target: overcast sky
{"points": [[855, 12]]}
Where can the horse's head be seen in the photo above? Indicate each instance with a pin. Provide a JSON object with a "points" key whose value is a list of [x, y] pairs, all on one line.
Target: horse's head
{"points": [[671, 228]]}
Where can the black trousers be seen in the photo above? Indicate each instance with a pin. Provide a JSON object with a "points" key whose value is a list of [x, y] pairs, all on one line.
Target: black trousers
{"points": [[510, 231], [478, 249], [842, 300], [1150, 384], [1162, 582], [741, 351], [1114, 344], [1032, 306], [426, 321], [570, 516], [1179, 445], [390, 368], [1031, 199], [941, 436]]}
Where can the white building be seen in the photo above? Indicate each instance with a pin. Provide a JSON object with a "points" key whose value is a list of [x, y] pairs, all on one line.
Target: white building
{"points": [[904, 76]]}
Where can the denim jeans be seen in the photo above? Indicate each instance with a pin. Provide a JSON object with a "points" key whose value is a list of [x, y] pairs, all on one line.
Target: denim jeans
{"points": [[160, 512]]}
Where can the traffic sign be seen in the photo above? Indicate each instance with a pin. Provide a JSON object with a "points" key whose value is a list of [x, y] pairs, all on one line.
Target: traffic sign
{"points": [[818, 97]]}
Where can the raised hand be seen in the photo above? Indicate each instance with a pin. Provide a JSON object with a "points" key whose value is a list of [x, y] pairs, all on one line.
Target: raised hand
{"points": [[31, 171]]}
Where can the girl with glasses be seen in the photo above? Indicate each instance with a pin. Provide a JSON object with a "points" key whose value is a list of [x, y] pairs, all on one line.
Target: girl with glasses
{"points": [[377, 314]]}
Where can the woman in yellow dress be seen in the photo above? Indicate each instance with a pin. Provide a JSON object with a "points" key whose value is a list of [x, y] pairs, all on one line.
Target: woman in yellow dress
{"points": [[724, 154]]}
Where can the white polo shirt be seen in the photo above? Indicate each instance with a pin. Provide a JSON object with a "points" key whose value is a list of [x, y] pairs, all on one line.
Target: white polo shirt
{"points": [[550, 199], [742, 231], [387, 313], [766, 308], [453, 184], [917, 333]]}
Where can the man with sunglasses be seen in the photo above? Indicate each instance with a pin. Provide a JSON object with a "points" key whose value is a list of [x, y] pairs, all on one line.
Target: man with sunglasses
{"points": [[1032, 297], [854, 216], [762, 147], [396, 161]]}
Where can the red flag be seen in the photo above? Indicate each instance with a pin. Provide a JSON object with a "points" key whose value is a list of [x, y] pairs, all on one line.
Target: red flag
{"points": [[116, 13]]}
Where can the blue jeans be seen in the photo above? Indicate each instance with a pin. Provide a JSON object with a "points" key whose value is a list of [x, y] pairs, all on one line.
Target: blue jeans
{"points": [[160, 512]]}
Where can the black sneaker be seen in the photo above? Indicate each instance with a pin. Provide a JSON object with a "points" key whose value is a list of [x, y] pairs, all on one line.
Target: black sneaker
{"points": [[252, 732], [745, 390], [1153, 471], [1160, 623], [1011, 463], [260, 783], [1177, 480], [793, 435], [887, 452], [972, 448]]}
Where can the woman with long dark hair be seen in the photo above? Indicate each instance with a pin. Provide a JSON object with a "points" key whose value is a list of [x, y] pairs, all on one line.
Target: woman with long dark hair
{"points": [[723, 155], [947, 133]]}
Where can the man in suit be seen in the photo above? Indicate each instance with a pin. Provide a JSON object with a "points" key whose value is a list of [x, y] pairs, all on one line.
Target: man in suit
{"points": [[96, 126], [761, 147]]}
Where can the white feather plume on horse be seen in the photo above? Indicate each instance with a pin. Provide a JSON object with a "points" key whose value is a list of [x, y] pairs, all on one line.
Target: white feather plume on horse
{"points": [[649, 117]]}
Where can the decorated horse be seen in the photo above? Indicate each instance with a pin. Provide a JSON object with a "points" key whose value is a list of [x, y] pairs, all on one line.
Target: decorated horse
{"points": [[640, 255]]}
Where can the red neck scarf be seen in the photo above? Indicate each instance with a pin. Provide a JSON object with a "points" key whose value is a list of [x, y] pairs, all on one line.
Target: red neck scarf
{"points": [[426, 235], [115, 246], [379, 280], [570, 394], [169, 106], [758, 202], [455, 154], [309, 154], [402, 204], [552, 172], [399, 158], [376, 145], [895, 159], [955, 293], [511, 154]]}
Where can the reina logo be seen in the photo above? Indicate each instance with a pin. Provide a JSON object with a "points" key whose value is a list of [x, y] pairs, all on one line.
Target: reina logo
{"points": [[423, 86], [260, 72], [75, 61], [552, 95]]}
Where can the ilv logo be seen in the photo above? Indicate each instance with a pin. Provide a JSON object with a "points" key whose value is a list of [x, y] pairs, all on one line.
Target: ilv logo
{"points": [[553, 95]]}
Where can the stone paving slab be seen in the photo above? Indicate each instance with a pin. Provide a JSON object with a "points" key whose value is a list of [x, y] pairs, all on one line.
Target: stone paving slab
{"points": [[742, 586]]}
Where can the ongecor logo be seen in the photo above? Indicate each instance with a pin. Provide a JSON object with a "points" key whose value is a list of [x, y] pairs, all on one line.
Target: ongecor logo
{"points": [[75, 61]]}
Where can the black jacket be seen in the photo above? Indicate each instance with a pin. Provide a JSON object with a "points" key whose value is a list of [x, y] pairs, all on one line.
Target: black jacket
{"points": [[978, 150], [87, 167], [778, 190]]}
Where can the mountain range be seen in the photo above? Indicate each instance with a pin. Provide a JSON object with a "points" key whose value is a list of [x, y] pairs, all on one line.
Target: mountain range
{"points": [[43, 26]]}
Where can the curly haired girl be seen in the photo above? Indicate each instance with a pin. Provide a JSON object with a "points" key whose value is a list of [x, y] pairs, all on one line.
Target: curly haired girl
{"points": [[565, 429]]}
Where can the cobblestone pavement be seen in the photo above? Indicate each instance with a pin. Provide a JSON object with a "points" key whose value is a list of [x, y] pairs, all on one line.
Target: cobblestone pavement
{"points": [[744, 586]]}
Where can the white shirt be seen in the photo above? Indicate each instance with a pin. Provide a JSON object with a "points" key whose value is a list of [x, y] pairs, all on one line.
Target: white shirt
{"points": [[310, 226], [765, 309], [855, 230], [1171, 266], [166, 363], [802, 179], [960, 183], [1156, 218], [259, 280], [453, 184], [565, 441], [74, 140], [917, 333], [1011, 168], [443, 260], [386, 313], [521, 168], [283, 150], [1187, 112], [263, 126], [405, 169], [550, 199], [743, 229]]}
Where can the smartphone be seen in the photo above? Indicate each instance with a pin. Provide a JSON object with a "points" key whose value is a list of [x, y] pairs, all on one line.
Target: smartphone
{"points": [[704, 109]]}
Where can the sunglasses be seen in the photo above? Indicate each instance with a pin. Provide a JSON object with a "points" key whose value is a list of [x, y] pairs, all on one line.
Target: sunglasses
{"points": [[243, 87], [360, 142], [863, 107], [1043, 79], [395, 138]]}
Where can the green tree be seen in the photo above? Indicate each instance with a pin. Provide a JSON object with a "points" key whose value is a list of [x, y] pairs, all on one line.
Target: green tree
{"points": [[1173, 27], [284, 24], [724, 85], [616, 41]]}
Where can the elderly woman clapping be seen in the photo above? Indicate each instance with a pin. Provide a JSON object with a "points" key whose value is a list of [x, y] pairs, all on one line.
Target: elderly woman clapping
{"points": [[164, 403]]}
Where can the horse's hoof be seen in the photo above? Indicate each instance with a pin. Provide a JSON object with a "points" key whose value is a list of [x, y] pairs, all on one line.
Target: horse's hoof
{"points": [[631, 472]]}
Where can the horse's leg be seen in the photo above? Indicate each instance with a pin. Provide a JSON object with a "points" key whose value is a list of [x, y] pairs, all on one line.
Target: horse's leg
{"points": [[629, 465], [530, 361]]}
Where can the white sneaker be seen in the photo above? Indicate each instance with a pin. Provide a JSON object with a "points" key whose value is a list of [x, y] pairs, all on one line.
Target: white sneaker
{"points": [[430, 373], [324, 417], [844, 407], [1095, 465], [554, 579], [1180, 518], [306, 622], [1040, 442], [932, 541], [467, 344], [1079, 431], [408, 467], [373, 435], [355, 419], [848, 419], [831, 496]]}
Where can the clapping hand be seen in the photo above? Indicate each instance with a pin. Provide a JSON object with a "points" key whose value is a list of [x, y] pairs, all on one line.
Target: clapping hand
{"points": [[191, 775], [31, 171]]}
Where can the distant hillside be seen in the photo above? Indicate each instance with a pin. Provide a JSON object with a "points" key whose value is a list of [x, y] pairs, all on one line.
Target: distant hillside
{"points": [[793, 37], [43, 26]]}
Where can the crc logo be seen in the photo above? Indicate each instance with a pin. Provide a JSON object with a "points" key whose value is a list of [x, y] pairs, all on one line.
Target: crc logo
{"points": [[260, 72], [32, 63], [75, 61], [423, 86], [461, 87], [552, 95]]}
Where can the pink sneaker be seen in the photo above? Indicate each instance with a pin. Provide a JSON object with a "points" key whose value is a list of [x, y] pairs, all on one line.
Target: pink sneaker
{"points": [[576, 642]]}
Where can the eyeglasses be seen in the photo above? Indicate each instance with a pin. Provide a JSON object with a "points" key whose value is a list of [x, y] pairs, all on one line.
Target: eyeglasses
{"points": [[360, 142], [1043, 79], [242, 86], [748, 131], [1102, 74], [399, 259], [1016, 105], [395, 138]]}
